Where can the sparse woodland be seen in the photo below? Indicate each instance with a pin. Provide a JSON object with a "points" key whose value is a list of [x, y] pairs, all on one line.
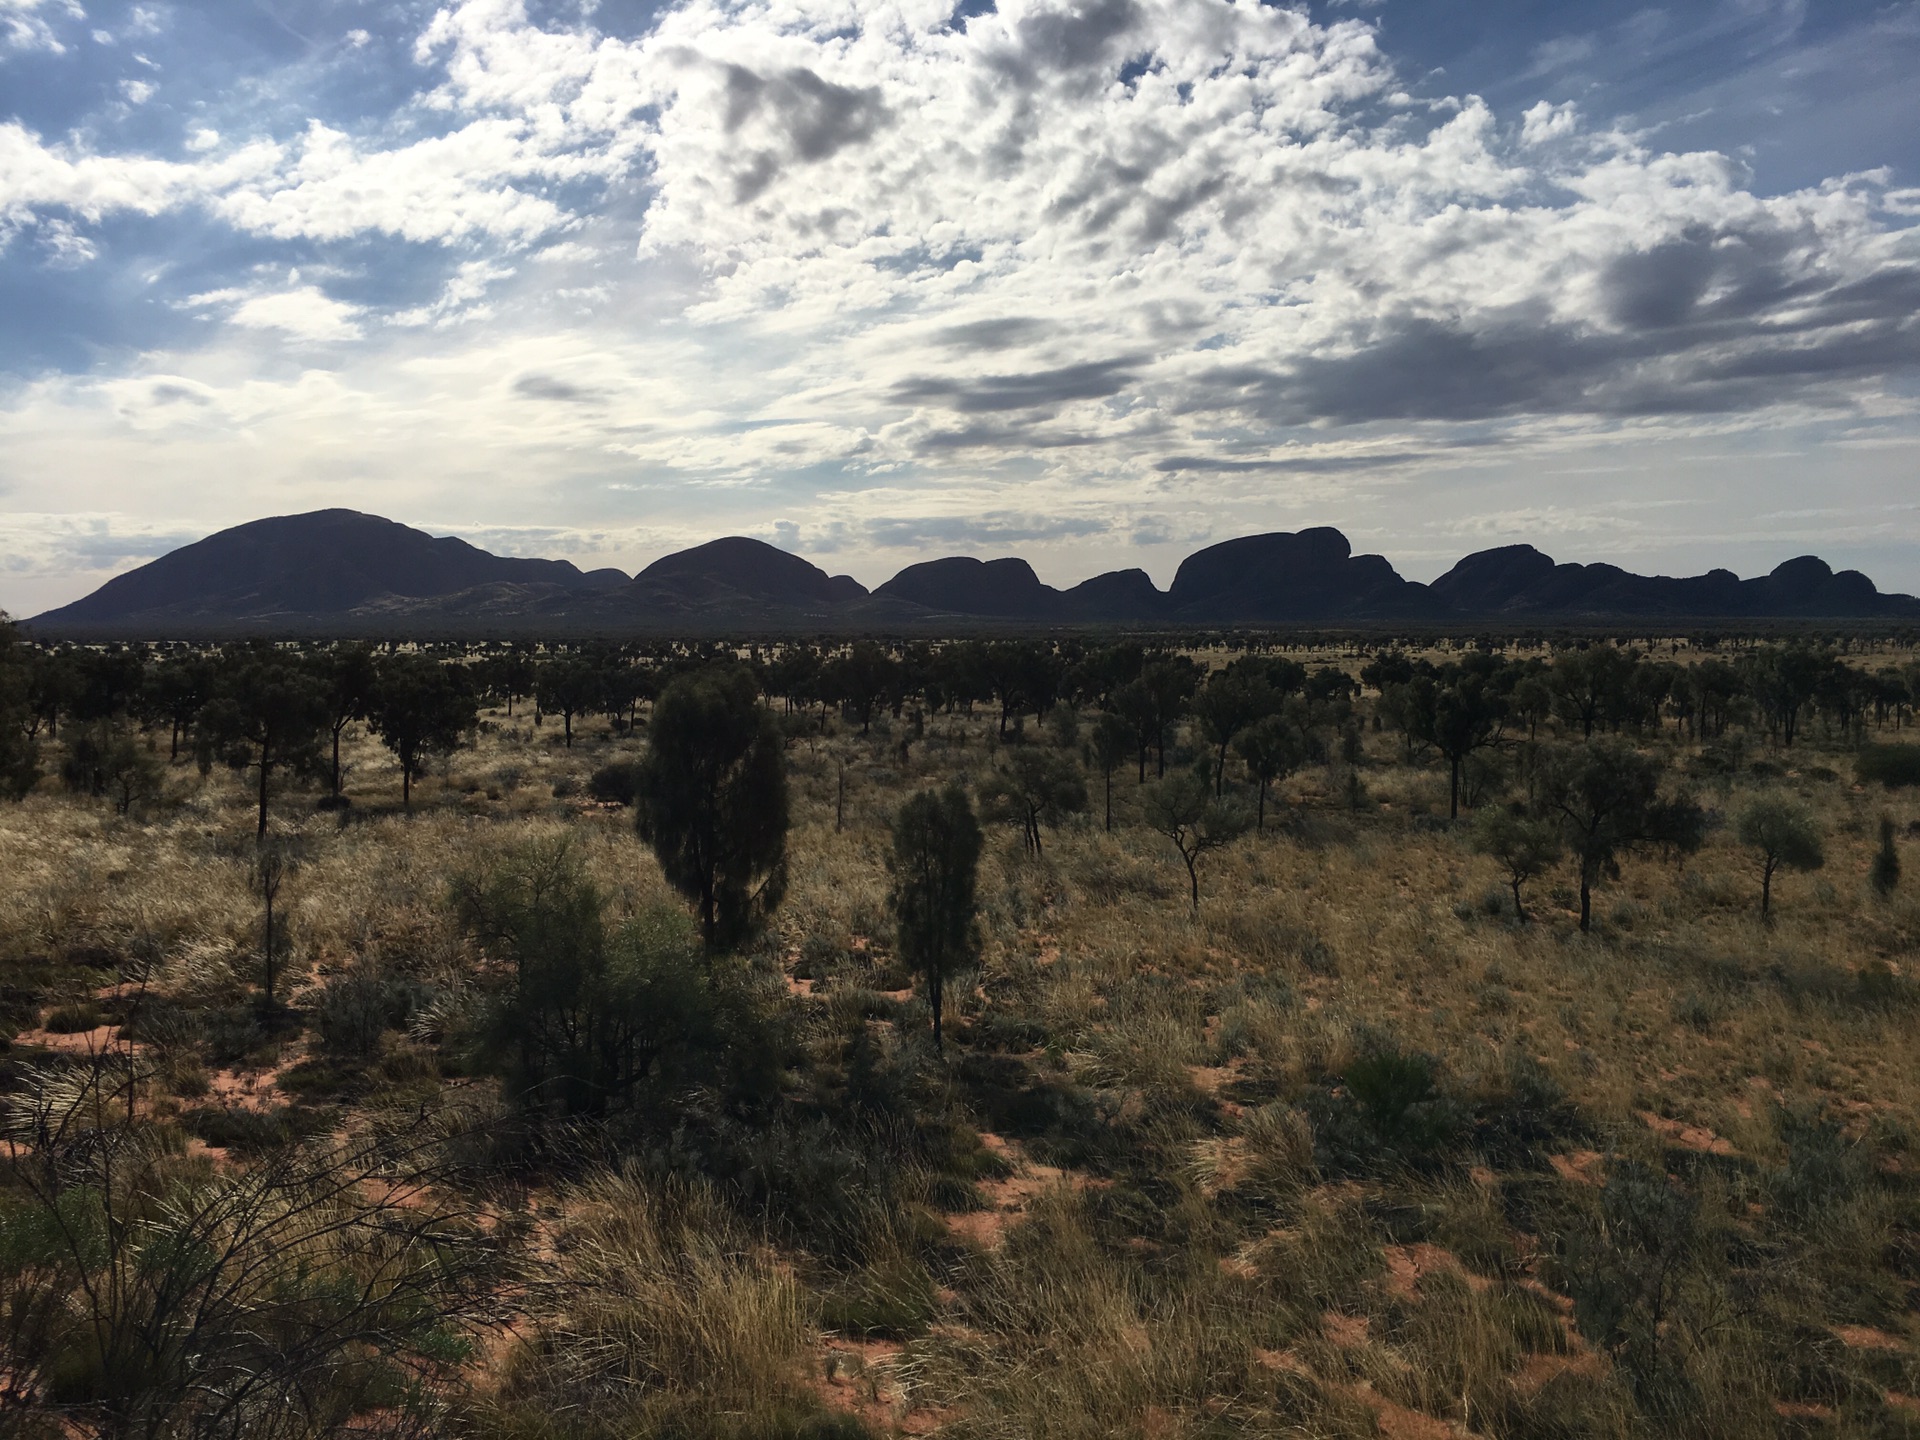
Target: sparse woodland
{"points": [[1354, 1038]]}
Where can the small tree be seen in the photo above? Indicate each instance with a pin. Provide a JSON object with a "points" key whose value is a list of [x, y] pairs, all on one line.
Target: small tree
{"points": [[1183, 808], [348, 677], [1524, 846], [1885, 874], [132, 775], [1273, 748], [419, 708], [935, 859], [570, 687], [1605, 799], [1230, 701], [1458, 714], [1110, 745], [861, 679], [270, 867], [712, 800], [173, 693], [1034, 788], [273, 706], [589, 1018], [1783, 836]]}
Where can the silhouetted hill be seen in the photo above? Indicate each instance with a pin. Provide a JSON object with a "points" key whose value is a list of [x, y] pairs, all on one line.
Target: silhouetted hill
{"points": [[340, 572], [289, 567], [961, 585], [1310, 576], [1519, 582], [737, 568], [1117, 597]]}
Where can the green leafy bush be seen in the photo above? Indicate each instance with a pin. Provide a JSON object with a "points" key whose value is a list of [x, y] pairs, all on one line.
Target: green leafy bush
{"points": [[1894, 766]]}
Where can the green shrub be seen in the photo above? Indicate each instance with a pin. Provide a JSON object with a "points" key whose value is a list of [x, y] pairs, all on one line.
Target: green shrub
{"points": [[592, 1019], [248, 1132], [1388, 1109], [351, 1013], [74, 1019], [616, 783], [1894, 766]]}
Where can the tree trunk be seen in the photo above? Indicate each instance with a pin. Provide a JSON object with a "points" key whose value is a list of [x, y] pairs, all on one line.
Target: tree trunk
{"points": [[1586, 903], [935, 997], [261, 832], [1453, 787], [1766, 891], [1519, 909], [406, 787], [1193, 878], [1261, 824], [1109, 797]]}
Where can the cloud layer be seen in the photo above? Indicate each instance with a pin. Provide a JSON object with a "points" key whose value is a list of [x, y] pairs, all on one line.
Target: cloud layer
{"points": [[1053, 271]]}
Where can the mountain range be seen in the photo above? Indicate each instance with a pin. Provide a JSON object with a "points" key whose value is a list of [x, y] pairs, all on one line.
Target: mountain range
{"points": [[340, 572]]}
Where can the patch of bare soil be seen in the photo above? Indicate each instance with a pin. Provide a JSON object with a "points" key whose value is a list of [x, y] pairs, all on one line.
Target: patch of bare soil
{"points": [[1282, 1360], [1865, 1337], [1408, 1265], [1397, 1422], [1580, 1166], [1802, 1410], [1691, 1137], [97, 1041], [1009, 1198], [856, 1377], [1349, 1332], [1536, 1372], [252, 1089]]}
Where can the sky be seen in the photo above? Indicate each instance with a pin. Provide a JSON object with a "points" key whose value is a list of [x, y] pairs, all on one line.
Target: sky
{"points": [[1096, 282]]}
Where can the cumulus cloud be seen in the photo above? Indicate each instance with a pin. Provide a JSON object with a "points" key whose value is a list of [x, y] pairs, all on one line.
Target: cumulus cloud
{"points": [[302, 312], [904, 267]]}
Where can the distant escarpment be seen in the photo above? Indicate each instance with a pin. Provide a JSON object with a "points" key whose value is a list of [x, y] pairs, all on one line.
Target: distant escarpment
{"points": [[339, 572]]}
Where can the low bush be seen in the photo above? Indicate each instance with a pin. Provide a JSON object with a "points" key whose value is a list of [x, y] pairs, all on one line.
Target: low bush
{"points": [[74, 1019], [1894, 766], [616, 783]]}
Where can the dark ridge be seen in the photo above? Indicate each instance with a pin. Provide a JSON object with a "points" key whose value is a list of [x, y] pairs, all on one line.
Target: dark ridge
{"points": [[1310, 576], [1118, 595], [323, 562], [961, 585], [1518, 582], [737, 566], [343, 573]]}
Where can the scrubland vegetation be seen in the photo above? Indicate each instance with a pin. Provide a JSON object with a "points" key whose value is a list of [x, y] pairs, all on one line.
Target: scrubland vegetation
{"points": [[1339, 1040]]}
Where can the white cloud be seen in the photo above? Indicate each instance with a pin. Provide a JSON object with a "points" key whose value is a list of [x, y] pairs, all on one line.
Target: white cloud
{"points": [[893, 272], [303, 312], [66, 248], [23, 26], [1547, 121]]}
